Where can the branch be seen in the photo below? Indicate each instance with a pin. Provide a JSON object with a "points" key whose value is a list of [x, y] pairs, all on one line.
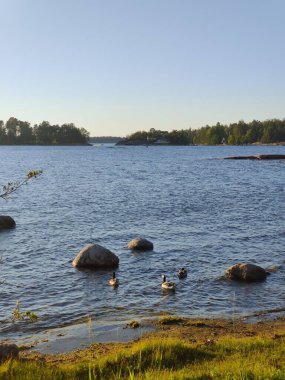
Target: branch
{"points": [[11, 187]]}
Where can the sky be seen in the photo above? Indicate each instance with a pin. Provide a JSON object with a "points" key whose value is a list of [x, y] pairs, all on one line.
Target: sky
{"points": [[118, 66]]}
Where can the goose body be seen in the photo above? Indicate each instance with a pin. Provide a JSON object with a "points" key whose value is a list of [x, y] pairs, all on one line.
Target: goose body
{"points": [[167, 285], [114, 281], [182, 273]]}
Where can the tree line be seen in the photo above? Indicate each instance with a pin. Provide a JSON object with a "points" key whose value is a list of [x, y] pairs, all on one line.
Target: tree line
{"points": [[264, 132], [19, 132]]}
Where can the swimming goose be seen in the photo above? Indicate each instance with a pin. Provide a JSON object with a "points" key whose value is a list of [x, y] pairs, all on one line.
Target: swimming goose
{"points": [[114, 281], [182, 273], [167, 285]]}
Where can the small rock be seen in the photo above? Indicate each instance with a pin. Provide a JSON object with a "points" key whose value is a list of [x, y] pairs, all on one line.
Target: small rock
{"points": [[246, 272], [6, 222], [134, 324], [94, 256], [140, 245], [8, 351]]}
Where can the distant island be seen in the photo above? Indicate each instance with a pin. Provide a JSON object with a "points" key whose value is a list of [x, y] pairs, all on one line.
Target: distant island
{"points": [[240, 133], [17, 132], [105, 140]]}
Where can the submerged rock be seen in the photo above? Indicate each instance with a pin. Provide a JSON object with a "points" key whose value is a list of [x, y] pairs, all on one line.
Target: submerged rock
{"points": [[246, 272], [8, 351], [95, 256], [140, 244], [6, 222]]}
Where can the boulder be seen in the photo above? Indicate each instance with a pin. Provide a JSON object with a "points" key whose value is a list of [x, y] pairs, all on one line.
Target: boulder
{"points": [[95, 256], [8, 351], [246, 272], [140, 245], [6, 222]]}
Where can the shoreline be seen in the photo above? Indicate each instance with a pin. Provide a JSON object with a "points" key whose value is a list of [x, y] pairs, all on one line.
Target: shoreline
{"points": [[144, 143], [76, 341], [79, 144], [77, 336]]}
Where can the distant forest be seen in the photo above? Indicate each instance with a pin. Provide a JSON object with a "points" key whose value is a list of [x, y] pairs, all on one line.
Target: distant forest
{"points": [[264, 132], [17, 132]]}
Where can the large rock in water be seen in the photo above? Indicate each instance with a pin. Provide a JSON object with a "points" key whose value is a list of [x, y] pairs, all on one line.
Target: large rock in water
{"points": [[8, 351], [6, 222], [258, 157], [95, 256], [140, 245], [246, 272]]}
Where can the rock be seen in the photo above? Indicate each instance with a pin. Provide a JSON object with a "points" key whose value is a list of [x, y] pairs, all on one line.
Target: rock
{"points": [[95, 256], [241, 158], [246, 272], [6, 222], [258, 157], [131, 142], [8, 350], [140, 245], [270, 157]]}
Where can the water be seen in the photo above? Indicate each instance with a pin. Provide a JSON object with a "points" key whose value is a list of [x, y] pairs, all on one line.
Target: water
{"points": [[200, 212]]}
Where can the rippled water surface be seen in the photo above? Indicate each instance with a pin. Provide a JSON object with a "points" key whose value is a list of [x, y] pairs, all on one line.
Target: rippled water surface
{"points": [[201, 212]]}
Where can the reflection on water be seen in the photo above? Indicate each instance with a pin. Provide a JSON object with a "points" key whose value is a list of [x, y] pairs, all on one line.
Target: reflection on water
{"points": [[201, 213]]}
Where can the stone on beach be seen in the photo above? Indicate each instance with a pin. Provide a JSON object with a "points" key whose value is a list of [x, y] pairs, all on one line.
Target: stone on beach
{"points": [[6, 222], [246, 272], [8, 351], [95, 256], [140, 244]]}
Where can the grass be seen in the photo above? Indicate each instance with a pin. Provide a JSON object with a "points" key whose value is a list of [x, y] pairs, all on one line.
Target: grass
{"points": [[170, 320], [227, 356]]}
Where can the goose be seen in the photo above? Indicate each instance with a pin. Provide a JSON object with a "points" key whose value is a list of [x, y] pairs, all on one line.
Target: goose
{"points": [[114, 281], [182, 273], [167, 285]]}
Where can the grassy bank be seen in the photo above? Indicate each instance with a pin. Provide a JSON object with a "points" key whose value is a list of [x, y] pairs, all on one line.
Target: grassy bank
{"points": [[181, 349]]}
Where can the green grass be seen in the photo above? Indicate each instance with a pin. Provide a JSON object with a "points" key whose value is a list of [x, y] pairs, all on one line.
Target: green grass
{"points": [[169, 359]]}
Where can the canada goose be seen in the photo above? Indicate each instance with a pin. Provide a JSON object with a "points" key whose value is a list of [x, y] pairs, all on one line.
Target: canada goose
{"points": [[114, 281], [167, 285], [182, 273]]}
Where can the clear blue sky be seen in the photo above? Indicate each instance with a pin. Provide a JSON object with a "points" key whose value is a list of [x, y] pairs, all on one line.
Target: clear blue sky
{"points": [[117, 66]]}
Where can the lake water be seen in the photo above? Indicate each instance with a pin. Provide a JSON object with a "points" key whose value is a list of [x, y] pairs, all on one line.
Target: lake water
{"points": [[201, 212]]}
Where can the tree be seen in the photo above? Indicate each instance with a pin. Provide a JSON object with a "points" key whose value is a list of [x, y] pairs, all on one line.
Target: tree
{"points": [[85, 135], [11, 130], [216, 135], [25, 132], [254, 132], [3, 135]]}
